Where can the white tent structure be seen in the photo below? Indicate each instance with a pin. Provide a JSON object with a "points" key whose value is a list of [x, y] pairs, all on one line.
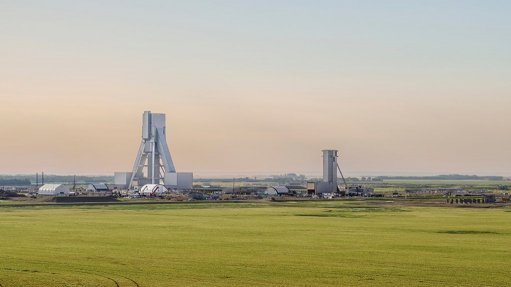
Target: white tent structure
{"points": [[152, 189], [53, 190]]}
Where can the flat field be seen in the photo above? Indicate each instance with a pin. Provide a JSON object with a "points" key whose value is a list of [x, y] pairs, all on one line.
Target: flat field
{"points": [[322, 243]]}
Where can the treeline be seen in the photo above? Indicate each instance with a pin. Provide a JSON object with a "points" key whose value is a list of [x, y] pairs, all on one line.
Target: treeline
{"points": [[17, 180], [243, 179], [14, 182], [442, 177], [79, 179]]}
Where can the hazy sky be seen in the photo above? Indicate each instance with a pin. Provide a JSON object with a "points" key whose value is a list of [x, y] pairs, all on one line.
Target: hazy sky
{"points": [[257, 87]]}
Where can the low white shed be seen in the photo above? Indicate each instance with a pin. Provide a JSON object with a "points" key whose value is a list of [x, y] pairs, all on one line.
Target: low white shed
{"points": [[53, 190]]}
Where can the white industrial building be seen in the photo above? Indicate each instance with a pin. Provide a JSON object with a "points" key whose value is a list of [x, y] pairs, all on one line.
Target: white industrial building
{"points": [[122, 179], [152, 189], [53, 190], [179, 180]]}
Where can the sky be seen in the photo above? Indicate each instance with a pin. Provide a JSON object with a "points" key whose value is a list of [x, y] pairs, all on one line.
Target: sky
{"points": [[257, 87]]}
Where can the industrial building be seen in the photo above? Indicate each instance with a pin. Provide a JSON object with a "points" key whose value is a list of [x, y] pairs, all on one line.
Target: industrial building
{"points": [[98, 187], [153, 163], [471, 198], [286, 190], [122, 179], [53, 190], [329, 183], [359, 190], [328, 186], [277, 190], [152, 190]]}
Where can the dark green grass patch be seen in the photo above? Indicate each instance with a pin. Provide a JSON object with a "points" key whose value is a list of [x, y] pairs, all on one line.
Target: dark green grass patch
{"points": [[352, 212], [336, 214], [468, 232]]}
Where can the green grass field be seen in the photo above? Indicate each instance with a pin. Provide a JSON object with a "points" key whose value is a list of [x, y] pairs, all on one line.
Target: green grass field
{"points": [[338, 243]]}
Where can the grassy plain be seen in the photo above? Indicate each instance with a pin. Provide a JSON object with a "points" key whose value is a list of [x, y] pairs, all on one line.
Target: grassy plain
{"points": [[323, 243]]}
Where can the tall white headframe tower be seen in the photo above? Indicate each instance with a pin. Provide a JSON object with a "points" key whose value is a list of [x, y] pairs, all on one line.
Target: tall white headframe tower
{"points": [[153, 154]]}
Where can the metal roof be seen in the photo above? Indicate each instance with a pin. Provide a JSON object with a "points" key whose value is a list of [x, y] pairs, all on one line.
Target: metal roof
{"points": [[99, 186], [280, 189]]}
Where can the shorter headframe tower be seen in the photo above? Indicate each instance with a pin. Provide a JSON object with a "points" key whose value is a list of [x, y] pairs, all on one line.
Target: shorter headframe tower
{"points": [[330, 166], [153, 159]]}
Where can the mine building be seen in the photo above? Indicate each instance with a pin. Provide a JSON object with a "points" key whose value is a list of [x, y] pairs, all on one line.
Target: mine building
{"points": [[98, 187], [152, 190], [54, 190], [277, 190], [360, 191], [153, 163], [471, 199]]}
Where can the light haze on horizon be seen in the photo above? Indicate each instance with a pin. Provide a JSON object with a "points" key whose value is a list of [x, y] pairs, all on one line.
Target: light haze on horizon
{"points": [[257, 87]]}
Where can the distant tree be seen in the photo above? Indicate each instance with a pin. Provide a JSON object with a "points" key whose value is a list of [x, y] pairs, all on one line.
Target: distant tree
{"points": [[15, 182]]}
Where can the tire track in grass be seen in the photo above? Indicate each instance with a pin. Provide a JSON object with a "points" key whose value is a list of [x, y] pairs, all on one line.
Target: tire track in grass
{"points": [[74, 270], [134, 282], [103, 276], [116, 282], [57, 273]]}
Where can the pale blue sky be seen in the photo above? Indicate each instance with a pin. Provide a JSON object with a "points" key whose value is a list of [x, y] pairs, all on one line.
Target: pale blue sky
{"points": [[398, 86]]}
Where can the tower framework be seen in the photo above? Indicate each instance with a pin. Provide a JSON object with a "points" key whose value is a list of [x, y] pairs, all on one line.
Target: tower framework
{"points": [[153, 159]]}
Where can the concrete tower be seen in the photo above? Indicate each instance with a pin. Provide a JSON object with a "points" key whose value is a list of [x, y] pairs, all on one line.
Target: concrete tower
{"points": [[330, 166], [153, 154], [329, 182]]}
